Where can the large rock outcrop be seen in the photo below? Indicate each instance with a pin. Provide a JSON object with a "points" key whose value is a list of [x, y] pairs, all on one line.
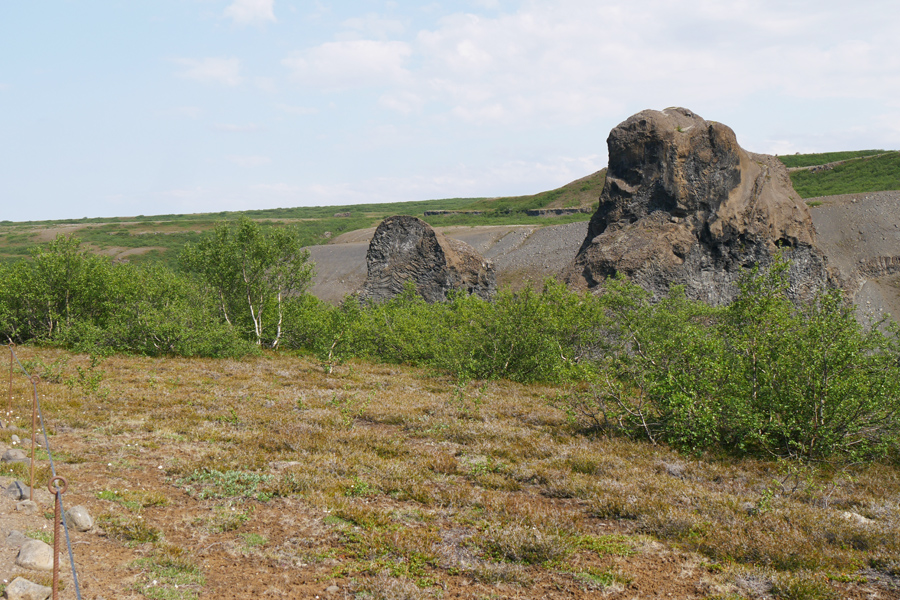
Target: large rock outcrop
{"points": [[408, 249], [684, 204]]}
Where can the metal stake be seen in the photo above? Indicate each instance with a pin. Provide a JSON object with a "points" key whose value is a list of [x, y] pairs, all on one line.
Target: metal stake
{"points": [[34, 381], [57, 519], [12, 353]]}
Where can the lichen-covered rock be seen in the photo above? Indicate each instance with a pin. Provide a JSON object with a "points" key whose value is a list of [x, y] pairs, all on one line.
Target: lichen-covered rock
{"points": [[406, 249], [684, 204]]}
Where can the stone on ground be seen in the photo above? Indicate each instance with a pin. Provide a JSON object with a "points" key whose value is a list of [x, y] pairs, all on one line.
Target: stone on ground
{"points": [[14, 455], [15, 539], [35, 555], [18, 491], [79, 518], [22, 589]]}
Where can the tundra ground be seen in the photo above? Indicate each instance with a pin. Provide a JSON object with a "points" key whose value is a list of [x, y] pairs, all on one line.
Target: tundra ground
{"points": [[268, 477]]}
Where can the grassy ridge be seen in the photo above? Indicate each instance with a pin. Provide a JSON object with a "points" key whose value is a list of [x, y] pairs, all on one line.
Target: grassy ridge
{"points": [[580, 193], [811, 160], [874, 174]]}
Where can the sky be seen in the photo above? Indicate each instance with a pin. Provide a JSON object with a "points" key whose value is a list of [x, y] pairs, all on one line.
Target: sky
{"points": [[142, 107]]}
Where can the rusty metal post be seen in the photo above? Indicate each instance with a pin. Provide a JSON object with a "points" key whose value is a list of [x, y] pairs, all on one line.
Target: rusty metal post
{"points": [[12, 353], [57, 519], [34, 381]]}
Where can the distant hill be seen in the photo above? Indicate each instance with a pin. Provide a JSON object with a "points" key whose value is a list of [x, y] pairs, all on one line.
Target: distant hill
{"points": [[159, 237], [835, 173], [810, 160]]}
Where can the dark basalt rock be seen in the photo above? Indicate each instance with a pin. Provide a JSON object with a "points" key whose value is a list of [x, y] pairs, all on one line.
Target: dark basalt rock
{"points": [[684, 204], [408, 249]]}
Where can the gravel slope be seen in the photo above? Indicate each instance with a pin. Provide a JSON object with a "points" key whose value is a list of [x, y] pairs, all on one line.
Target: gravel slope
{"points": [[519, 253], [859, 233]]}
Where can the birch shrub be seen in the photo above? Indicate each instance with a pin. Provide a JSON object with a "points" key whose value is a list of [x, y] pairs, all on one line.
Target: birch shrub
{"points": [[764, 375]]}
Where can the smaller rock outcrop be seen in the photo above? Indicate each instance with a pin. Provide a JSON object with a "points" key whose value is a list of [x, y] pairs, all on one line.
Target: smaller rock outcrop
{"points": [[406, 249]]}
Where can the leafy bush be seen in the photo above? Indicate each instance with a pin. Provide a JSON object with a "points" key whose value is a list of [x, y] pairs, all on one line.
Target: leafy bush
{"points": [[251, 272], [68, 296], [523, 336], [763, 375]]}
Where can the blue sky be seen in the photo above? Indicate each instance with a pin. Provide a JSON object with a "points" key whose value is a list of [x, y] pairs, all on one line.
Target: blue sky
{"points": [[127, 107]]}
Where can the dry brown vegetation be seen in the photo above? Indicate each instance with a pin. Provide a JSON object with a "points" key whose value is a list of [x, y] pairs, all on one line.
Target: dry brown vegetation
{"points": [[269, 477]]}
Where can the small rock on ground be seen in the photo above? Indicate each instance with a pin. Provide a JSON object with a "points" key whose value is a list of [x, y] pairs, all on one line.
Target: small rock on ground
{"points": [[36, 555], [18, 491], [27, 506], [22, 589], [14, 455], [15, 539], [80, 518], [856, 518]]}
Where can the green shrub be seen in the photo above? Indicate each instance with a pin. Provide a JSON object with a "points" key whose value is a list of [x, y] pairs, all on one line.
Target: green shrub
{"points": [[763, 375]]}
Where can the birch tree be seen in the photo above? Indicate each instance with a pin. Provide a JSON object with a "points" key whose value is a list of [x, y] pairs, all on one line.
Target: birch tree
{"points": [[252, 272]]}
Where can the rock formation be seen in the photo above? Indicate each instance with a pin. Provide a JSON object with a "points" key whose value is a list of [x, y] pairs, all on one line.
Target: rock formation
{"points": [[683, 203], [408, 249]]}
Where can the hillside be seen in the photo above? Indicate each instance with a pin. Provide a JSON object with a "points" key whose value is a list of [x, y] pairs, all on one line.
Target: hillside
{"points": [[158, 238], [837, 173]]}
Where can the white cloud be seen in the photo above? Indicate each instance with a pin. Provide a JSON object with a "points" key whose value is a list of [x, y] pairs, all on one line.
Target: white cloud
{"points": [[251, 12], [403, 101], [351, 64], [574, 61], [276, 189], [250, 161], [187, 193], [266, 84], [226, 71]]}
